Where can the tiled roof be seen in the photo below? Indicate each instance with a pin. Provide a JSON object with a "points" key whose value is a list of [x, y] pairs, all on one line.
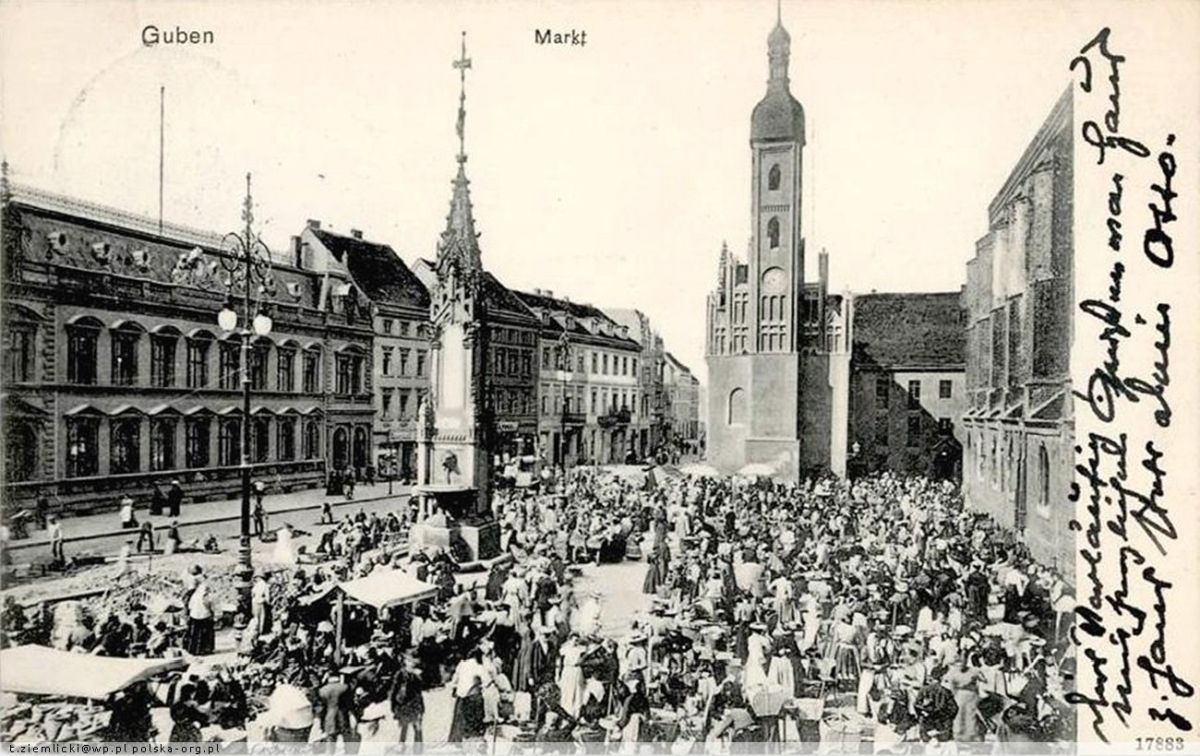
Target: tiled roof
{"points": [[579, 313], [501, 299], [574, 309], [897, 331], [376, 269], [677, 364]]}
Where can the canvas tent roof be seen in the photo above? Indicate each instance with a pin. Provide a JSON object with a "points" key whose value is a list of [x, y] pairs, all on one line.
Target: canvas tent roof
{"points": [[383, 588], [27, 669]]}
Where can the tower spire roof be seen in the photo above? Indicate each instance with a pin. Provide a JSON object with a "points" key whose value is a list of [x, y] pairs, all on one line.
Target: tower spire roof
{"points": [[778, 116], [459, 242]]}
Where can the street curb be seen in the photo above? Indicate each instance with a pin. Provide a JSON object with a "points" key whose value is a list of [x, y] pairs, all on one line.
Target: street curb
{"points": [[45, 542]]}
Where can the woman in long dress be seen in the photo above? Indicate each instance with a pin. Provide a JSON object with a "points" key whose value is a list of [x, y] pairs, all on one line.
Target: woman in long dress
{"points": [[468, 682], [653, 578], [847, 660], [570, 677], [754, 677], [201, 637], [781, 674], [781, 592], [963, 681], [524, 674]]}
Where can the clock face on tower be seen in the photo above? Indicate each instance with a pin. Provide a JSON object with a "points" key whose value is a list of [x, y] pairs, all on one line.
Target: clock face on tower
{"points": [[774, 281]]}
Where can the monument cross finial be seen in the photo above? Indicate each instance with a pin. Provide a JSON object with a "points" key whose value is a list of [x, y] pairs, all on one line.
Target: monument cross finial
{"points": [[462, 64]]}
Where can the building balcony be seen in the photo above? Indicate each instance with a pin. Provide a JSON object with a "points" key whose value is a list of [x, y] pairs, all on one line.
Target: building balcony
{"points": [[574, 418], [614, 417]]}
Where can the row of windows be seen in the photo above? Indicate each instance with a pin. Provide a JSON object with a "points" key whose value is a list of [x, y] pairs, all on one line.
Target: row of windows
{"points": [[388, 326], [82, 362], [406, 406], [415, 357], [621, 364], [883, 387], [512, 401], [125, 443], [510, 361], [990, 458], [125, 369], [513, 336], [557, 399]]}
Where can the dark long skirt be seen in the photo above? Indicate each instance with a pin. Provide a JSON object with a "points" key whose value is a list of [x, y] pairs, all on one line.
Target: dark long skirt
{"points": [[467, 721], [653, 579], [524, 672], [201, 636]]}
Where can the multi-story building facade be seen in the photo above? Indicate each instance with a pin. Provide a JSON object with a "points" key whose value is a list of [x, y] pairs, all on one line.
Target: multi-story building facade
{"points": [[400, 318], [907, 389], [1018, 422], [647, 429], [118, 377], [682, 390], [589, 398], [512, 378]]}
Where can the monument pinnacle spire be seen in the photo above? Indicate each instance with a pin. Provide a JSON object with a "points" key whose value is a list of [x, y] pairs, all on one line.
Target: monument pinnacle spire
{"points": [[462, 64], [459, 242]]}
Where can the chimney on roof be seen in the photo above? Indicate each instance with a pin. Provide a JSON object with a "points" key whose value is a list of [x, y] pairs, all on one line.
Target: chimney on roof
{"points": [[547, 293], [313, 224], [356, 233], [297, 257]]}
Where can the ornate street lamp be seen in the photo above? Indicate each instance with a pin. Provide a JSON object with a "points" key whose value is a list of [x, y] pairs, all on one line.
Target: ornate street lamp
{"points": [[248, 275]]}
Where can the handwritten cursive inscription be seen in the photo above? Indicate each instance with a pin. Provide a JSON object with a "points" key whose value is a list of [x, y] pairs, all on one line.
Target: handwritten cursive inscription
{"points": [[1120, 488]]}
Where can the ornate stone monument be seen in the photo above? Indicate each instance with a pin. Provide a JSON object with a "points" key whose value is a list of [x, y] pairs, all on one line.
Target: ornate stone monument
{"points": [[455, 427]]}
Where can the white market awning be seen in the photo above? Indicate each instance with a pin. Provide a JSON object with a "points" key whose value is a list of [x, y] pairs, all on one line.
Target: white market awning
{"points": [[388, 588], [382, 588], [39, 670]]}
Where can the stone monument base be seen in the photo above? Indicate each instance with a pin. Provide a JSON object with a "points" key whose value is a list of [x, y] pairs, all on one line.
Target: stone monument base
{"points": [[457, 526], [481, 539]]}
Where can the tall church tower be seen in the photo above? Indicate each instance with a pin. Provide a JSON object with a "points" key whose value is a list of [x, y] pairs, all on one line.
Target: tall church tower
{"points": [[777, 260], [756, 316]]}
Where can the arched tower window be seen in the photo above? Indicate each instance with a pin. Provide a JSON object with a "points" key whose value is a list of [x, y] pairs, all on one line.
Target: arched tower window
{"points": [[773, 177], [737, 407], [773, 233]]}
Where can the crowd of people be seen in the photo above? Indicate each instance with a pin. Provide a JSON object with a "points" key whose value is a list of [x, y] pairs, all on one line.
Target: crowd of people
{"points": [[769, 606]]}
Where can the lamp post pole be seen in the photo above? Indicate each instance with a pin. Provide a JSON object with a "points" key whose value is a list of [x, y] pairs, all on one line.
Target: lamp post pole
{"points": [[245, 571], [247, 262]]}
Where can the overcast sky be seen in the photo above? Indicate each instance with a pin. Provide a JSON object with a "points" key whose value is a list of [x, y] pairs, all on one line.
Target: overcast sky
{"points": [[610, 172]]}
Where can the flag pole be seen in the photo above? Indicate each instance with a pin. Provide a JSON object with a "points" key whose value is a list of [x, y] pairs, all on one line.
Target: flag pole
{"points": [[162, 96]]}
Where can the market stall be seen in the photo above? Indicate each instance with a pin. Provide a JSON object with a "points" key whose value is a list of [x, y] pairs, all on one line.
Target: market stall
{"points": [[61, 696], [38, 670], [382, 589]]}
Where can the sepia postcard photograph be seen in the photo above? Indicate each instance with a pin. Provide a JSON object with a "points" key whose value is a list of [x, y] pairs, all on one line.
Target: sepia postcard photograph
{"points": [[599, 376]]}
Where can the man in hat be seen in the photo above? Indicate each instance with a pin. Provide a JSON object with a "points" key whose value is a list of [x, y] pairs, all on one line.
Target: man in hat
{"points": [[408, 702], [334, 709], [175, 498]]}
